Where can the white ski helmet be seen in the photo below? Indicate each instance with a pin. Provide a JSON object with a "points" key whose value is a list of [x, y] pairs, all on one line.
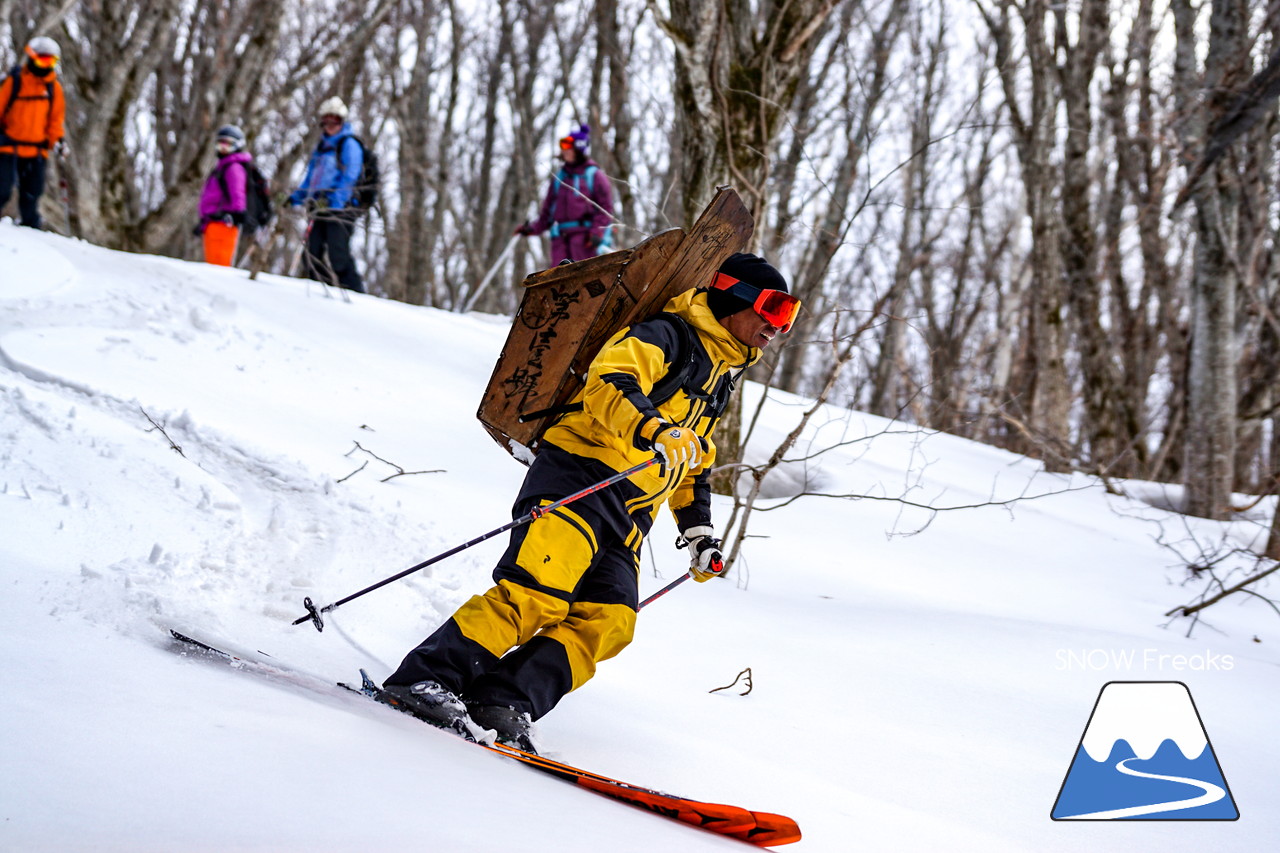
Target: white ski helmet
{"points": [[333, 107], [44, 46]]}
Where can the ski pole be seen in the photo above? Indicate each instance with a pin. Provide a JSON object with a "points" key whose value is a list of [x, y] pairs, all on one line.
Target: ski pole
{"points": [[313, 613], [484, 282], [666, 589], [64, 186], [680, 543]]}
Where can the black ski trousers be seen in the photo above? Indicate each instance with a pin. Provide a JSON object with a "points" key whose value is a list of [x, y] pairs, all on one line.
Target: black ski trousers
{"points": [[565, 596], [29, 174], [330, 233]]}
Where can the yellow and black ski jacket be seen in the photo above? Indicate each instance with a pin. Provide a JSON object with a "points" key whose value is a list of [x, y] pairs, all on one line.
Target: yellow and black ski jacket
{"points": [[618, 419]]}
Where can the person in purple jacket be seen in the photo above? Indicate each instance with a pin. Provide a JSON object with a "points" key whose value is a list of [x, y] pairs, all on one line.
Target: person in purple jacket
{"points": [[223, 202], [578, 208]]}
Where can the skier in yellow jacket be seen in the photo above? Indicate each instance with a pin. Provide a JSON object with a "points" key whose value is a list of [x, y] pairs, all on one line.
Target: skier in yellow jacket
{"points": [[567, 587]]}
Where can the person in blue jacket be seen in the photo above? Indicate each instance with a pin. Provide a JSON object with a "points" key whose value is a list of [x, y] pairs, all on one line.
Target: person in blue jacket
{"points": [[328, 192]]}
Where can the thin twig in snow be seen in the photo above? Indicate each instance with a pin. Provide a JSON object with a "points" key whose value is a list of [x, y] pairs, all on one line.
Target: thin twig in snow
{"points": [[400, 472], [155, 426]]}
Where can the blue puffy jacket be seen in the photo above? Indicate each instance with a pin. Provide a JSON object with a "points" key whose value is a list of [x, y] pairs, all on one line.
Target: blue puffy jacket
{"points": [[327, 179]]}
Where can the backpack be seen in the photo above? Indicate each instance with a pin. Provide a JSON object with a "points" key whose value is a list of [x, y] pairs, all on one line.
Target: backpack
{"points": [[366, 189], [258, 208], [570, 311], [589, 175], [664, 389], [16, 85]]}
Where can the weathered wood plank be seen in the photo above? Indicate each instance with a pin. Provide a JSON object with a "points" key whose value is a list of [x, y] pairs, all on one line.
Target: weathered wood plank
{"points": [[569, 311]]}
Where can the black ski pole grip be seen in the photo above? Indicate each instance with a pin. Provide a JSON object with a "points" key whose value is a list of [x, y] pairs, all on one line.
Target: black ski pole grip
{"points": [[312, 613]]}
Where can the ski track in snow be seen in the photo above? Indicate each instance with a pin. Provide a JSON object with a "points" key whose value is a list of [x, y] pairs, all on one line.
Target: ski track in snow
{"points": [[1212, 793], [271, 510]]}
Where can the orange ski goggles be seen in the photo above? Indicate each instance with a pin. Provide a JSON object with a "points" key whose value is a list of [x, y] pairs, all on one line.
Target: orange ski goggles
{"points": [[42, 60], [567, 143], [777, 307]]}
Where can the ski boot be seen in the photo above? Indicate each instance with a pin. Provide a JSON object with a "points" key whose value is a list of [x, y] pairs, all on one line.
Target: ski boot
{"points": [[432, 703], [514, 728]]}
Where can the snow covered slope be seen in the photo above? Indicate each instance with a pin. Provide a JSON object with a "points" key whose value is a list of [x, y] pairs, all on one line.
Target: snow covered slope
{"points": [[922, 692]]}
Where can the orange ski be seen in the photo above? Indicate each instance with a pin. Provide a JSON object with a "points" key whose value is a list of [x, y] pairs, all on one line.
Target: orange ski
{"points": [[761, 829]]}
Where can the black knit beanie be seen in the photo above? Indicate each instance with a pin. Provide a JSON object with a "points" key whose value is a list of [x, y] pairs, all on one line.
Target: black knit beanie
{"points": [[752, 270]]}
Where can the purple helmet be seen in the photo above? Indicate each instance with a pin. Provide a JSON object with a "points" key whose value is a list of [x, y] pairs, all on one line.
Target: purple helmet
{"points": [[579, 140]]}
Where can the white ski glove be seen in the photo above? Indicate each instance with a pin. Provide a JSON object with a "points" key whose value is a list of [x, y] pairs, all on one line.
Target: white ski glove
{"points": [[705, 560]]}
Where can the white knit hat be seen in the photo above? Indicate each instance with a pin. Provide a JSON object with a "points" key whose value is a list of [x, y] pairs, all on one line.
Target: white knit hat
{"points": [[333, 107]]}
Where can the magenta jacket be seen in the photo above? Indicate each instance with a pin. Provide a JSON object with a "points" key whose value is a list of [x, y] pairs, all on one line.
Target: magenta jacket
{"points": [[566, 209], [212, 201]]}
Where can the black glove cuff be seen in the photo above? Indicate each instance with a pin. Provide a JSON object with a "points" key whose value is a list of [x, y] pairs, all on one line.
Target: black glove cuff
{"points": [[706, 543], [701, 533], [643, 443], [693, 515]]}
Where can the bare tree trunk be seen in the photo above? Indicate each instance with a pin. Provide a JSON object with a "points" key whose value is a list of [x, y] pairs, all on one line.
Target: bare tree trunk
{"points": [[1034, 128], [615, 118], [189, 67], [11, 36], [409, 241], [954, 283], [442, 182], [1105, 419], [1209, 457], [865, 87], [1141, 305], [737, 67], [106, 92], [736, 70], [887, 391]]}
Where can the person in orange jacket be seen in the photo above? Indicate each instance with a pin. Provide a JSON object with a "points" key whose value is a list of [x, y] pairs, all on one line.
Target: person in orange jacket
{"points": [[34, 109]]}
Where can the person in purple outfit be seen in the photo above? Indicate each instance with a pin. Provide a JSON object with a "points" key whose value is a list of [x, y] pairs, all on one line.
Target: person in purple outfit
{"points": [[578, 209], [225, 198]]}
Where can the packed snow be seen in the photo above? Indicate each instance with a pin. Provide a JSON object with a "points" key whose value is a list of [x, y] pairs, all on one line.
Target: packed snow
{"points": [[182, 447]]}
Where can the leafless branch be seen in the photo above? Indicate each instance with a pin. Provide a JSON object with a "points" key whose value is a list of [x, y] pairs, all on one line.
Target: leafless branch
{"points": [[1189, 609], [852, 496], [400, 472], [363, 465], [740, 677], [1216, 566], [155, 426]]}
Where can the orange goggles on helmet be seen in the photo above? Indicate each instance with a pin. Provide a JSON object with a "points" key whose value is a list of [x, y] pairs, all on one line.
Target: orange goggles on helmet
{"points": [[42, 60], [775, 306]]}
